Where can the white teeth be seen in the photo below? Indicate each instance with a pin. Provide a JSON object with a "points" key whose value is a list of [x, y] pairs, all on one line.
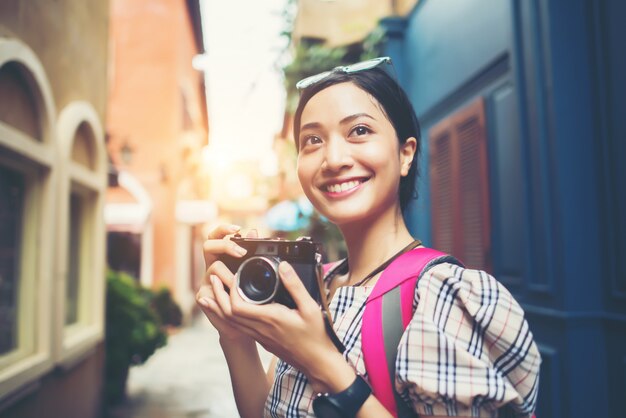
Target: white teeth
{"points": [[342, 187]]}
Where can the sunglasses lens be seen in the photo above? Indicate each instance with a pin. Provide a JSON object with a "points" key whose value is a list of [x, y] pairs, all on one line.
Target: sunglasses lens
{"points": [[359, 66], [365, 65], [304, 83]]}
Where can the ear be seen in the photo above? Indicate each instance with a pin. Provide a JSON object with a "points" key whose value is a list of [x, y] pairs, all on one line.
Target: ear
{"points": [[407, 153]]}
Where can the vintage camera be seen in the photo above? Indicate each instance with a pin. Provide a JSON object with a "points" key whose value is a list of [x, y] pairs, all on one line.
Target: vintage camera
{"points": [[256, 274]]}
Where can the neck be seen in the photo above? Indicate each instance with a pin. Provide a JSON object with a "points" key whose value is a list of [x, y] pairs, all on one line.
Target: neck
{"points": [[372, 241]]}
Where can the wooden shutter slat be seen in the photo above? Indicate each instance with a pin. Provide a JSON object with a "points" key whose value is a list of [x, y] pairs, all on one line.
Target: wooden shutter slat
{"points": [[460, 187], [442, 199]]}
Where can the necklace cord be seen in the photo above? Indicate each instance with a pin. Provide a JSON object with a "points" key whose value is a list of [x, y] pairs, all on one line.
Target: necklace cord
{"points": [[385, 264]]}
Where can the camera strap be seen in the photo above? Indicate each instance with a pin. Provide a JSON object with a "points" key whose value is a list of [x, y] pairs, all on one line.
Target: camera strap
{"points": [[415, 243], [328, 321]]}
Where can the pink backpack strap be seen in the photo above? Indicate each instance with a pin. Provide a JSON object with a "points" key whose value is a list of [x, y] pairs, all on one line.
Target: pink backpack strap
{"points": [[329, 266], [326, 268], [381, 330]]}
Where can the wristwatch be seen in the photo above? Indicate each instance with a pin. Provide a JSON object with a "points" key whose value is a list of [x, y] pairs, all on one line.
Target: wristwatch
{"points": [[344, 404]]}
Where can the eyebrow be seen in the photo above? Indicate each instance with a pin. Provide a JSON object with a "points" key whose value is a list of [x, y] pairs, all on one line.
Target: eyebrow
{"points": [[355, 116], [315, 125]]}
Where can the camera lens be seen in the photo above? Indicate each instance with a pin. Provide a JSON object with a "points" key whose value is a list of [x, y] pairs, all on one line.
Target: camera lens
{"points": [[257, 279]]}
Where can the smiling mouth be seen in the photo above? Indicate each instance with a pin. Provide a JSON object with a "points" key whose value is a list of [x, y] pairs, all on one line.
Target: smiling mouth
{"points": [[343, 186]]}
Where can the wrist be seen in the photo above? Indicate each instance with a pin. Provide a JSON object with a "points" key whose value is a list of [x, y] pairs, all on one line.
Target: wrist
{"points": [[332, 375], [344, 404], [240, 341]]}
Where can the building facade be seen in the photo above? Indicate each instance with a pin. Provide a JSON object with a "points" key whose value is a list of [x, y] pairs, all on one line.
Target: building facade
{"points": [[521, 105], [53, 169], [156, 128]]}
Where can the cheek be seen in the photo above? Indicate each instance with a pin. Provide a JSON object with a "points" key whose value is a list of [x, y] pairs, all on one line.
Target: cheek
{"points": [[382, 159], [305, 170]]}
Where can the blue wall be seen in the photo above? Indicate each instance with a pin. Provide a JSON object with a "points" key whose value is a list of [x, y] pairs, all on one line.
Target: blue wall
{"points": [[553, 76]]}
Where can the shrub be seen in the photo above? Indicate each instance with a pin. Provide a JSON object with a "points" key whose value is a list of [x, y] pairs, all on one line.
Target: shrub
{"points": [[169, 312], [133, 331]]}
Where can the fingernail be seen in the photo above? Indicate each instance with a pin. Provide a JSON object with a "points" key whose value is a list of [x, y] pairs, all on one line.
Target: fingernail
{"points": [[284, 267], [213, 279], [234, 227], [204, 302], [241, 250]]}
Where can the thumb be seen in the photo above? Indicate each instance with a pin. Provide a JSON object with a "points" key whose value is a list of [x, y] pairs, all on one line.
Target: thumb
{"points": [[295, 287]]}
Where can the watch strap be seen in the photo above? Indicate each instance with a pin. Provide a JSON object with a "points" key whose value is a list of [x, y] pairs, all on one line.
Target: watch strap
{"points": [[347, 402]]}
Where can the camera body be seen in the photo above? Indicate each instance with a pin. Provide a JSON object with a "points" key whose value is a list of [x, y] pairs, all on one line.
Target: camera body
{"points": [[256, 273]]}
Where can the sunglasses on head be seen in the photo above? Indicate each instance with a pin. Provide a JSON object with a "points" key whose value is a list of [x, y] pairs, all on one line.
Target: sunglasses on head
{"points": [[347, 69]]}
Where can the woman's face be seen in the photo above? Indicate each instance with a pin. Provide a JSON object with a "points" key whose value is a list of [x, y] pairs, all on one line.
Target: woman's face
{"points": [[350, 161]]}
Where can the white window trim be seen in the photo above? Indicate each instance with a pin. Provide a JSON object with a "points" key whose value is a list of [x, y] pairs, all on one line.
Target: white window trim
{"points": [[42, 155], [74, 341]]}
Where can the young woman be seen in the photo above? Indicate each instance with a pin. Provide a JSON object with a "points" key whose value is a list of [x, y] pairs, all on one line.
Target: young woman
{"points": [[467, 350]]}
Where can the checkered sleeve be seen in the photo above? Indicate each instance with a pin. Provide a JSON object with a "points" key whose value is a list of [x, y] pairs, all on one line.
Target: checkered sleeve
{"points": [[468, 350]]}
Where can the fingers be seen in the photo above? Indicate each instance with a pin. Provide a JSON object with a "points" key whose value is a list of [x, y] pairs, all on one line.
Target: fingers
{"points": [[204, 293], [217, 272], [207, 290], [206, 300], [295, 287], [250, 313], [217, 244], [222, 230], [224, 275], [208, 296], [213, 248], [219, 276], [246, 316], [210, 308], [221, 297], [226, 301], [221, 320]]}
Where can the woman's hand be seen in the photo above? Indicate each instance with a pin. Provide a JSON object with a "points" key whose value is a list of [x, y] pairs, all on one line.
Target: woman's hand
{"points": [[298, 336], [250, 384], [218, 244]]}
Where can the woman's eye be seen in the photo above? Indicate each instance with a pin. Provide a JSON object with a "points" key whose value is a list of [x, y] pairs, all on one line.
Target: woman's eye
{"points": [[311, 140], [361, 130]]}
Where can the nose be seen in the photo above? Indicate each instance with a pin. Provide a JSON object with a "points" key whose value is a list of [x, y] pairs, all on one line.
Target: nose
{"points": [[337, 154]]}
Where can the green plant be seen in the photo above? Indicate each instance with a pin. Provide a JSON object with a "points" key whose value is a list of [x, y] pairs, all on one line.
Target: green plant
{"points": [[168, 310], [311, 57], [133, 331]]}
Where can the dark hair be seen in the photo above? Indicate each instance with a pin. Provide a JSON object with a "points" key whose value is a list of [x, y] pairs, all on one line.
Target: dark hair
{"points": [[395, 105]]}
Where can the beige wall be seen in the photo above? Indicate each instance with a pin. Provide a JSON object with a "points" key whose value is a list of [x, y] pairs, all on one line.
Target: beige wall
{"points": [[66, 394], [70, 40]]}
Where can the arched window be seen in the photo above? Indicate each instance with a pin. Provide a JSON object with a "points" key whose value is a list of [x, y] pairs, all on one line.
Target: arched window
{"points": [[80, 235], [28, 183]]}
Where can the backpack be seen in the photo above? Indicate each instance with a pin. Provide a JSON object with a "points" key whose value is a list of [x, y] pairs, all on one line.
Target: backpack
{"points": [[388, 311]]}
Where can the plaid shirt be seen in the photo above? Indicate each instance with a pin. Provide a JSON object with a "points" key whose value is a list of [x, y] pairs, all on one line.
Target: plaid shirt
{"points": [[466, 352]]}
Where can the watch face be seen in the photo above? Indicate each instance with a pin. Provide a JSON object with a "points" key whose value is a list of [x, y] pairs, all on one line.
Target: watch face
{"points": [[324, 408]]}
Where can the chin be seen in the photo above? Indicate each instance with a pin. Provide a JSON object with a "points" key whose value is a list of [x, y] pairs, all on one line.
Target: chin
{"points": [[344, 216], [361, 208]]}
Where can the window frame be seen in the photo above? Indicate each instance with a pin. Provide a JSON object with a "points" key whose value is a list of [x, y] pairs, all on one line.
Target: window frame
{"points": [[77, 340], [28, 264], [40, 155]]}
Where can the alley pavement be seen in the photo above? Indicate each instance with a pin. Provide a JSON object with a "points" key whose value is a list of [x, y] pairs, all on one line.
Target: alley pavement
{"points": [[187, 378]]}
